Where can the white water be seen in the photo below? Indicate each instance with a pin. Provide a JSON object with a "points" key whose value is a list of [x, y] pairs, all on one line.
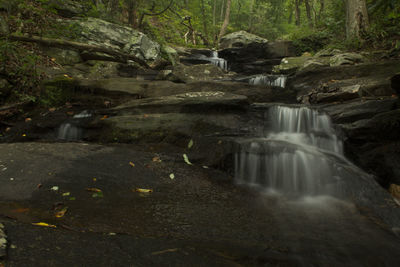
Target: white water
{"points": [[219, 62], [296, 156], [70, 131], [271, 80]]}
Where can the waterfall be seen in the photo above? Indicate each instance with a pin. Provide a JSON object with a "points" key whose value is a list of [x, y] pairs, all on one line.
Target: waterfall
{"points": [[271, 80], [295, 156], [71, 131], [219, 62]]}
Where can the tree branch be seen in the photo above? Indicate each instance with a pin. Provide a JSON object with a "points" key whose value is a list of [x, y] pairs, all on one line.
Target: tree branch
{"points": [[120, 56]]}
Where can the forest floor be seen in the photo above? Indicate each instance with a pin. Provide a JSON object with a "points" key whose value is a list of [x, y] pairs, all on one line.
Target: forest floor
{"points": [[95, 211]]}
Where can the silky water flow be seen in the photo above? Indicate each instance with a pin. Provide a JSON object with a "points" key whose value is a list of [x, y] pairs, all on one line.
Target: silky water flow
{"points": [[298, 155]]}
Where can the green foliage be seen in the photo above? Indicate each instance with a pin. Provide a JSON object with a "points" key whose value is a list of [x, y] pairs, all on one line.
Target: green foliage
{"points": [[57, 91], [18, 65]]}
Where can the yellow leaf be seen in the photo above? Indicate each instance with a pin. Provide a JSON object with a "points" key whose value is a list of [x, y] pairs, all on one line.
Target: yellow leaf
{"points": [[23, 135], [93, 190], [156, 159], [61, 213], [66, 194], [94, 179], [172, 176], [142, 190], [44, 224], [132, 164]]}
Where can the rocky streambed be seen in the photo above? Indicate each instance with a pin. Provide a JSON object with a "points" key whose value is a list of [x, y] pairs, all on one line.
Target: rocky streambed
{"points": [[149, 180]]}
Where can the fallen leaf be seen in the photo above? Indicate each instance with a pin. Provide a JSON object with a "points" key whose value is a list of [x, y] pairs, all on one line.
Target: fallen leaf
{"points": [[21, 210], [94, 179], [23, 135], [219, 142], [132, 164], [39, 186], [145, 116], [186, 159], [172, 176], [93, 190], [205, 167], [8, 129], [54, 188], [142, 190], [104, 117], [164, 251], [44, 224], [53, 59], [156, 159], [72, 198], [28, 119], [52, 109], [97, 194], [61, 213], [66, 194], [70, 113], [190, 144]]}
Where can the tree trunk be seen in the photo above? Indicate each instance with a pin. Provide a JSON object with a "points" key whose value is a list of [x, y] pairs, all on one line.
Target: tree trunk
{"points": [[203, 13], [222, 10], [357, 20], [214, 33], [117, 55], [297, 12], [321, 9], [251, 15], [226, 20], [308, 10]]}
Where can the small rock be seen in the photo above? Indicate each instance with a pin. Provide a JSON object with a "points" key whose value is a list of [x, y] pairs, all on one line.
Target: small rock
{"points": [[3, 241]]}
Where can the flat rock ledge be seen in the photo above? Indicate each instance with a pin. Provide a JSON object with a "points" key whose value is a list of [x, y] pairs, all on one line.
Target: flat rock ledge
{"points": [[3, 242]]}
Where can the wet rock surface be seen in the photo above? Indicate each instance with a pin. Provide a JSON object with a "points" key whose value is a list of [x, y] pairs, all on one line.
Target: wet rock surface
{"points": [[198, 218]]}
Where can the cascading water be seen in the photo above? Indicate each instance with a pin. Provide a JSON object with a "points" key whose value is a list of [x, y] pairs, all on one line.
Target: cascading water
{"points": [[70, 131], [271, 80], [295, 156], [219, 62]]}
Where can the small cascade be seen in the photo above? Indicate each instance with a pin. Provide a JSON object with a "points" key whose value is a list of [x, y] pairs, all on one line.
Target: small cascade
{"points": [[271, 80], [219, 62], [297, 155], [71, 130]]}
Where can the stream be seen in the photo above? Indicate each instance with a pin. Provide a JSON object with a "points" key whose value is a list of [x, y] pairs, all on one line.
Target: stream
{"points": [[229, 184]]}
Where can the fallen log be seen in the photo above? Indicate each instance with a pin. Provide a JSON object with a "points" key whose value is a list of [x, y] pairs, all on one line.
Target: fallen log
{"points": [[60, 43]]}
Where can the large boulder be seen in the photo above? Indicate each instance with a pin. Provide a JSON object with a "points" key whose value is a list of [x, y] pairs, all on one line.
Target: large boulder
{"points": [[120, 38], [240, 39]]}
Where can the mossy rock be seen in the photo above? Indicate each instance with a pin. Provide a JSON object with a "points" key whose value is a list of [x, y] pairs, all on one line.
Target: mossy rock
{"points": [[57, 91]]}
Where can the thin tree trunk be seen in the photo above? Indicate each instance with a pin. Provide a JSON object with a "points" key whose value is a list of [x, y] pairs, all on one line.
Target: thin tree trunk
{"points": [[251, 15], [214, 31], [357, 20], [297, 12], [221, 17], [203, 13], [226, 20], [308, 11], [321, 9]]}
